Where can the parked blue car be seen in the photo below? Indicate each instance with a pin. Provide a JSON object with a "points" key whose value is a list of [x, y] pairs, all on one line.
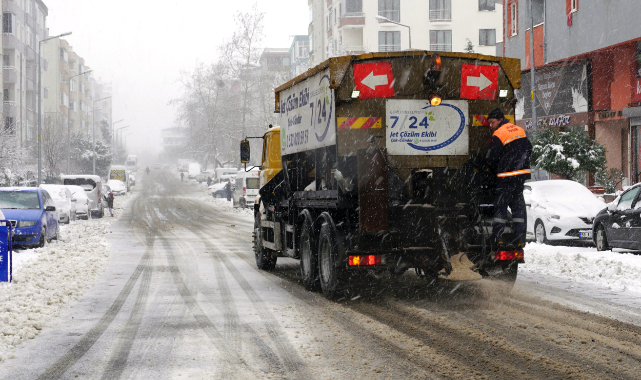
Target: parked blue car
{"points": [[32, 213]]}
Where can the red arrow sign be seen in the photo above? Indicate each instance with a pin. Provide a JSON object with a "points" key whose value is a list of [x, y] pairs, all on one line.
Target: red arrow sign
{"points": [[479, 82], [374, 80]]}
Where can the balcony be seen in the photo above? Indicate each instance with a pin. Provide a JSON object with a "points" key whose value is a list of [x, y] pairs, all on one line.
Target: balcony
{"points": [[354, 50], [352, 19], [10, 74], [441, 47], [9, 109], [442, 15], [9, 41]]}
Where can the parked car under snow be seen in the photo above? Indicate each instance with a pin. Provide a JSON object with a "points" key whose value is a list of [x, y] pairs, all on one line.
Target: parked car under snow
{"points": [[560, 210]]}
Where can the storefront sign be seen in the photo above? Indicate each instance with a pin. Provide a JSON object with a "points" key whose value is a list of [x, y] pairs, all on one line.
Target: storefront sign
{"points": [[559, 90], [557, 121]]}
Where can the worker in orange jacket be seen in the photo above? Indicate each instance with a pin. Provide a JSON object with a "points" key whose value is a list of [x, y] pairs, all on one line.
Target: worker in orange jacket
{"points": [[509, 155]]}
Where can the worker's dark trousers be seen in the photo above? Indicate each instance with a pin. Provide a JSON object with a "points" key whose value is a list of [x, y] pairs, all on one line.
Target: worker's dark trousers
{"points": [[509, 193]]}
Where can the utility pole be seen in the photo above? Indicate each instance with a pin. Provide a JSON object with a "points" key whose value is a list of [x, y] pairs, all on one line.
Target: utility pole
{"points": [[535, 125]]}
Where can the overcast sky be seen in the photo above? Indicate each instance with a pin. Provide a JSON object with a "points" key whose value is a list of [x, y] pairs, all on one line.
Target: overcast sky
{"points": [[142, 46]]}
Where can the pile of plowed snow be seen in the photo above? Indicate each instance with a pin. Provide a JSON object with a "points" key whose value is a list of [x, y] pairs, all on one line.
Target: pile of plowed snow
{"points": [[46, 279], [618, 271]]}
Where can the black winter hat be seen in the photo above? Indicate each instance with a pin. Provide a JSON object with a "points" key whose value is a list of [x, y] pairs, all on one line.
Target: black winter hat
{"points": [[497, 114]]}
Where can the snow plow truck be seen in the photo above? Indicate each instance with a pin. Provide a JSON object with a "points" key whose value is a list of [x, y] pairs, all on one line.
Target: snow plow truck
{"points": [[379, 164]]}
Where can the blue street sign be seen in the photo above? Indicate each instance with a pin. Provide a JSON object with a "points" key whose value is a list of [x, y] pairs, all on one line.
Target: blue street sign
{"points": [[6, 251]]}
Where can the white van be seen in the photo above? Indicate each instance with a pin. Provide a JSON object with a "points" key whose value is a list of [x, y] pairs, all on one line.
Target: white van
{"points": [[247, 186], [91, 184], [120, 173], [194, 170]]}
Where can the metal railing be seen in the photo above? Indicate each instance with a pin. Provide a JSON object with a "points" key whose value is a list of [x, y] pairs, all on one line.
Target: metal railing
{"points": [[441, 47], [384, 48], [441, 15]]}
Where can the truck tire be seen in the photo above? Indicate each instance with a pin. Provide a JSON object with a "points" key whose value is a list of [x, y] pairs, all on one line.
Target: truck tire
{"points": [[308, 258], [331, 274], [265, 260]]}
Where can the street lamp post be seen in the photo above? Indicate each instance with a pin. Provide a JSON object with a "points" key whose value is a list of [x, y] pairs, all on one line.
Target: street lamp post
{"points": [[118, 141], [69, 123], [40, 104], [93, 131], [113, 137], [409, 30]]}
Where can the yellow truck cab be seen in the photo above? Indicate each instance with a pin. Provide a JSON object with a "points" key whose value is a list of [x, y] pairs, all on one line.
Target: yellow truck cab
{"points": [[271, 161]]}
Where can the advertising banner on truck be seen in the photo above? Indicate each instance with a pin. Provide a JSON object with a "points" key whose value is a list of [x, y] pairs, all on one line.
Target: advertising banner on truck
{"points": [[308, 115], [414, 127]]}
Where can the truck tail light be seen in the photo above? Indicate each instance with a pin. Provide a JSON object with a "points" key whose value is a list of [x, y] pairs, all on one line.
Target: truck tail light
{"points": [[364, 260], [508, 255], [244, 191]]}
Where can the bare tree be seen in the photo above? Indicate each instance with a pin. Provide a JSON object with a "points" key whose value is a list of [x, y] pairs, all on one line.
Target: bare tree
{"points": [[54, 146]]}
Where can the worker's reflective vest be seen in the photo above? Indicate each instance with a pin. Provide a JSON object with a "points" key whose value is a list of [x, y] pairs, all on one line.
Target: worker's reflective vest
{"points": [[510, 152]]}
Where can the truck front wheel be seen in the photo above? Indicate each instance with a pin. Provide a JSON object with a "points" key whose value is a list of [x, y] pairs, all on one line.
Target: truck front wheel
{"points": [[308, 259], [265, 260], [330, 272]]}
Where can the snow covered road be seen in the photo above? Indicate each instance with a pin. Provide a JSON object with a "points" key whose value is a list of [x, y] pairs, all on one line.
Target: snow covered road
{"points": [[180, 297]]}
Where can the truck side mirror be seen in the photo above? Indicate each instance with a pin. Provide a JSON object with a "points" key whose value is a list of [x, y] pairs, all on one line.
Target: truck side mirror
{"points": [[244, 151]]}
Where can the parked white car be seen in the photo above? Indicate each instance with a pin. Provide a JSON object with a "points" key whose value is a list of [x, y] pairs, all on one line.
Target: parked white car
{"points": [[560, 210], [62, 198], [81, 200], [117, 187]]}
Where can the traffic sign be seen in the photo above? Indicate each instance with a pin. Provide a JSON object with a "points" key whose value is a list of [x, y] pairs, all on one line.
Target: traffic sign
{"points": [[479, 82], [374, 80]]}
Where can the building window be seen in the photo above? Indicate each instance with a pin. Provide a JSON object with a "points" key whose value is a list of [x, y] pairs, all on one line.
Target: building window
{"points": [[45, 92], [487, 37], [389, 41], [441, 40], [6, 59], [486, 5], [5, 95], [513, 19], [7, 22], [440, 10], [390, 9], [64, 56], [8, 124]]}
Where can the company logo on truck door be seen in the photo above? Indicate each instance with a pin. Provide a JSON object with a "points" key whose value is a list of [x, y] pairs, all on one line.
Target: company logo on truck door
{"points": [[307, 115], [414, 127]]}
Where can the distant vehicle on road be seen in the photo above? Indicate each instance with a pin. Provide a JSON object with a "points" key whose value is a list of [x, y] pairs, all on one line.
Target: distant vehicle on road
{"points": [[62, 198], [81, 200], [132, 162], [560, 210], [33, 214], [120, 173], [248, 185], [218, 189], [91, 184], [117, 187], [194, 170], [619, 225]]}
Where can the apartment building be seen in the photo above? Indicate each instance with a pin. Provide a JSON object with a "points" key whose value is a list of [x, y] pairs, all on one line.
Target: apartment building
{"points": [[71, 94], [587, 58], [298, 55], [23, 26], [339, 27]]}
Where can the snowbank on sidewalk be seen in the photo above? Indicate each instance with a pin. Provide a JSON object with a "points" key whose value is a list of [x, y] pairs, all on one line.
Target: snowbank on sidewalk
{"points": [[618, 271], [46, 279]]}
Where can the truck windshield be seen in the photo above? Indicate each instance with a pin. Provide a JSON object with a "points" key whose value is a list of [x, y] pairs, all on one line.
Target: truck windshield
{"points": [[19, 200]]}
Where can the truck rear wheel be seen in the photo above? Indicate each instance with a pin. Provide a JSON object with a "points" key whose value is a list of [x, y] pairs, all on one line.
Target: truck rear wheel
{"points": [[504, 274], [265, 260], [308, 258], [330, 272]]}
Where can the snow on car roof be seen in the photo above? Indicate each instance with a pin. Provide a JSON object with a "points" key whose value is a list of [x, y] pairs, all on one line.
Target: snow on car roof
{"points": [[18, 189]]}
